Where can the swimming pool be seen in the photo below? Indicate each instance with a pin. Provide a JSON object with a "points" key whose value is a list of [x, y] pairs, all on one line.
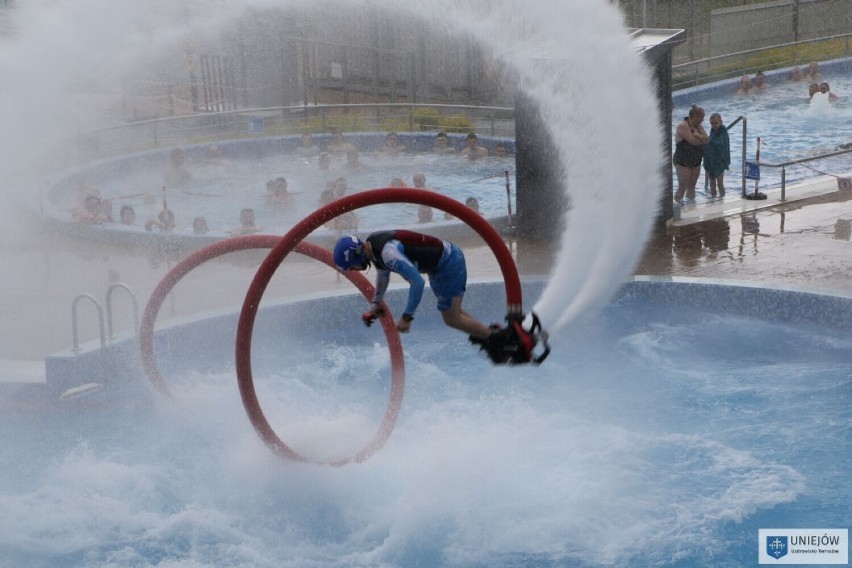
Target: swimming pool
{"points": [[790, 125], [664, 430], [219, 188]]}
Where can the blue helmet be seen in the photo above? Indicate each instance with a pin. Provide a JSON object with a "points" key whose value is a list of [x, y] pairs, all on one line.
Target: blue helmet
{"points": [[349, 253]]}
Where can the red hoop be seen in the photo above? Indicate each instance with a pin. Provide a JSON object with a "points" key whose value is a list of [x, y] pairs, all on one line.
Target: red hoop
{"points": [[219, 248], [288, 242]]}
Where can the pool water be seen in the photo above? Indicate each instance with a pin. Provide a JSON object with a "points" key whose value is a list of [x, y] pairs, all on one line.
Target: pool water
{"points": [[790, 126], [656, 434], [219, 189]]}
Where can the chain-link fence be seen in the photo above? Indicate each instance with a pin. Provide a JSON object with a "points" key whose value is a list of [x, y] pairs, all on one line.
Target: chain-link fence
{"points": [[208, 128], [282, 58], [773, 34]]}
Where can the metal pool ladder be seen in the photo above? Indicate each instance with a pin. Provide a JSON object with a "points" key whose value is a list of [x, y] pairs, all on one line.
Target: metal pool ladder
{"points": [[75, 347]]}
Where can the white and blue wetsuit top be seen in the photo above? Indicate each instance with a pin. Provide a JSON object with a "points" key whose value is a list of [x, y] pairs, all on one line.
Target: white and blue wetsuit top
{"points": [[409, 254]]}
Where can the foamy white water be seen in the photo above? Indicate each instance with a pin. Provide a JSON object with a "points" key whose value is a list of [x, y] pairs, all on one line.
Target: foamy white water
{"points": [[634, 446], [594, 93], [477, 471]]}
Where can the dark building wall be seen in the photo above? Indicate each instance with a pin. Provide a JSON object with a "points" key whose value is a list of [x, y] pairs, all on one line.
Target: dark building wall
{"points": [[539, 172], [541, 204], [663, 79]]}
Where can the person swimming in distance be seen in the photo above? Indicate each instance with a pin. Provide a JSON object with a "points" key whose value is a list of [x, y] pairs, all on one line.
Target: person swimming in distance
{"points": [[442, 144], [199, 226], [127, 215], [813, 89], [473, 150], [826, 90]]}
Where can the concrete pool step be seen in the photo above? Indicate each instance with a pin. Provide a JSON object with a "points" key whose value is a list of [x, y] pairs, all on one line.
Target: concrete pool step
{"points": [[734, 204], [21, 382], [21, 372]]}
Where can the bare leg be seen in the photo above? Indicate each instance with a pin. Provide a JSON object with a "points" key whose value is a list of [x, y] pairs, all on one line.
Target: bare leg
{"points": [[693, 181], [682, 181], [712, 186], [459, 319], [721, 179]]}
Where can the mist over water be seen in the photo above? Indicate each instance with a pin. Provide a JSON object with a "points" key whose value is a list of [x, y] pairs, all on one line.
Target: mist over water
{"points": [[571, 57], [618, 452], [190, 484], [595, 97], [594, 93]]}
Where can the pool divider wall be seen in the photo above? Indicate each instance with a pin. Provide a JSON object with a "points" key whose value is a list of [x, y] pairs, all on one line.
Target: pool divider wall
{"points": [[205, 343]]}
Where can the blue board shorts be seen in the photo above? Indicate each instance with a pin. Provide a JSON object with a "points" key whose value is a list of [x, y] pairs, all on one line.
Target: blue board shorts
{"points": [[450, 279]]}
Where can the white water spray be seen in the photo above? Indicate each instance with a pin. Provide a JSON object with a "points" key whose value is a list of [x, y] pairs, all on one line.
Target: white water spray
{"points": [[486, 470], [572, 58], [594, 92]]}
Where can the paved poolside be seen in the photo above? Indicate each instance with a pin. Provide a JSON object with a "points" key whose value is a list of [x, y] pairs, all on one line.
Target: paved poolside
{"points": [[803, 242]]}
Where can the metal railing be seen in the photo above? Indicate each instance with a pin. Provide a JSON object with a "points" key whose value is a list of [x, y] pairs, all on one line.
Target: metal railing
{"points": [[102, 335], [283, 120], [75, 339], [745, 138], [783, 166], [683, 80], [133, 301]]}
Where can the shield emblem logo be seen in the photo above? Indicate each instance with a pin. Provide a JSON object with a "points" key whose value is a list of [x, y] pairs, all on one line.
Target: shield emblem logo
{"points": [[776, 546]]}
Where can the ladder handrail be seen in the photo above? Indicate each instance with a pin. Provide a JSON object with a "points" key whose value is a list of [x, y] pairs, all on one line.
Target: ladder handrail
{"points": [[134, 302], [75, 345], [734, 123]]}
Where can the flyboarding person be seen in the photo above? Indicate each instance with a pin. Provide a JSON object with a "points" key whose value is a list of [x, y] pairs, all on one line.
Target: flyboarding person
{"points": [[411, 254]]}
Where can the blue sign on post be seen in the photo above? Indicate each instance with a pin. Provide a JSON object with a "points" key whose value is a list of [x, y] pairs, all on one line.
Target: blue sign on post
{"points": [[256, 124], [752, 170]]}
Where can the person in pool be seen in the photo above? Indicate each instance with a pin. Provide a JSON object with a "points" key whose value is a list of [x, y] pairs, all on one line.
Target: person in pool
{"points": [[411, 254], [826, 90]]}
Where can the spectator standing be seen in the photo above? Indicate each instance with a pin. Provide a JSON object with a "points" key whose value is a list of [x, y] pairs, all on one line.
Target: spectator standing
{"points": [[717, 155], [690, 138]]}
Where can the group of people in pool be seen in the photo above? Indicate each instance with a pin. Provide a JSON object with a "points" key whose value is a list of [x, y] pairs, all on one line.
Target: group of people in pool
{"points": [[91, 208], [392, 146], [813, 77]]}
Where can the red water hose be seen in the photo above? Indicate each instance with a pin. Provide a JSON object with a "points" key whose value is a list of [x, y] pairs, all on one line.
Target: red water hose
{"points": [[219, 248], [298, 233]]}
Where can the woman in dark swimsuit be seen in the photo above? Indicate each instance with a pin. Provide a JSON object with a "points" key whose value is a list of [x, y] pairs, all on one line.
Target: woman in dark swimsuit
{"points": [[690, 138]]}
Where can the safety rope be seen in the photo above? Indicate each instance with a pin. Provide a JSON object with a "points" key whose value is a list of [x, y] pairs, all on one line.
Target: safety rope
{"points": [[500, 175], [820, 171]]}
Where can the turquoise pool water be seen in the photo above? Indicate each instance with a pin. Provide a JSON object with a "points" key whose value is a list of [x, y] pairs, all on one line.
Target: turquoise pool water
{"points": [[663, 431]]}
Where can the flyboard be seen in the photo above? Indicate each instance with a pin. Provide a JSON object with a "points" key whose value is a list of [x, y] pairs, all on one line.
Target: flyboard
{"points": [[516, 343]]}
